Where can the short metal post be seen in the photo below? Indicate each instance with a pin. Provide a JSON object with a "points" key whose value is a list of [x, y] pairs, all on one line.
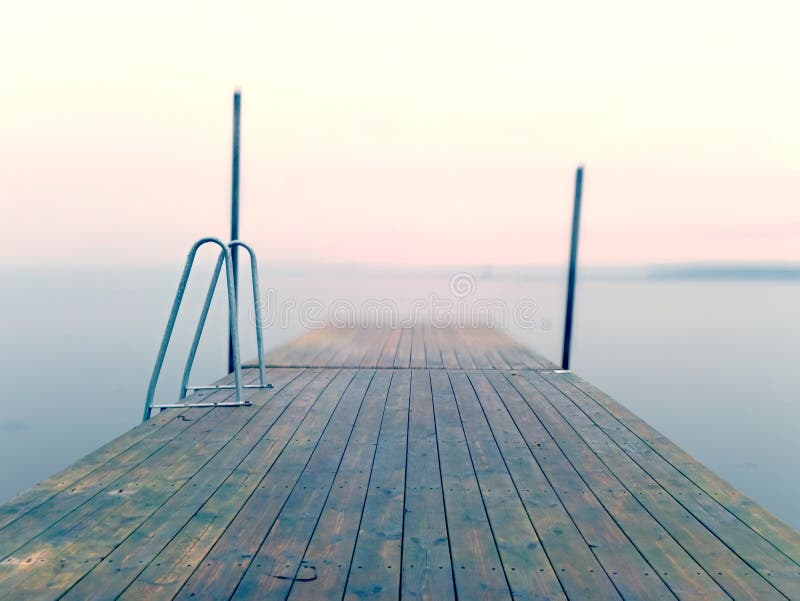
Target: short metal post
{"points": [[573, 261], [237, 122]]}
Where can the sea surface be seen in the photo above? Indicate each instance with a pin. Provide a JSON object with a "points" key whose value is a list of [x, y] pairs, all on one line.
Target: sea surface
{"points": [[708, 358]]}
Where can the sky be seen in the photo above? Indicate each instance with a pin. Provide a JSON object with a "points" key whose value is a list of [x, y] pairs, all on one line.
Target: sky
{"points": [[421, 132]]}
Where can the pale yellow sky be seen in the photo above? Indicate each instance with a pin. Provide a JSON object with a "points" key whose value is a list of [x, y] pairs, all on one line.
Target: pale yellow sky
{"points": [[414, 132]]}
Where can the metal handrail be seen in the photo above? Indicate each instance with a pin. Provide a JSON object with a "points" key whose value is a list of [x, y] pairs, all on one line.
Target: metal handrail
{"points": [[204, 314], [201, 324], [225, 256], [257, 308]]}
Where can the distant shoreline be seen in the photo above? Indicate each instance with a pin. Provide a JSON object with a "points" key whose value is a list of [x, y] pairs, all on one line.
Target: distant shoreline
{"points": [[726, 272], [662, 271]]}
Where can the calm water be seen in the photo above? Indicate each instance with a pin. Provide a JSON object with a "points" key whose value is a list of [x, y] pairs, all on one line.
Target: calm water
{"points": [[711, 363]]}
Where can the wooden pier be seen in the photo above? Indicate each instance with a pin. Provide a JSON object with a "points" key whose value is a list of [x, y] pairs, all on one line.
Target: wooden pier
{"points": [[418, 463]]}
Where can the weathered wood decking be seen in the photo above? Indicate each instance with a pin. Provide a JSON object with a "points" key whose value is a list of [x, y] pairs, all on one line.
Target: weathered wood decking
{"points": [[385, 464]]}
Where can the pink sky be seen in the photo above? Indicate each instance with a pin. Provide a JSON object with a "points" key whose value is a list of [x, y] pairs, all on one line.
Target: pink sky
{"points": [[417, 133]]}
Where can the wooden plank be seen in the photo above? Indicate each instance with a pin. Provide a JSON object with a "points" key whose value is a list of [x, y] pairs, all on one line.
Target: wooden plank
{"points": [[69, 477], [447, 343], [576, 567], [468, 343], [340, 352], [670, 562], [527, 568], [315, 348], [383, 482], [352, 352], [751, 547], [516, 356], [491, 343], [331, 546], [511, 354], [728, 570], [367, 341], [601, 513], [389, 351], [477, 568], [327, 341], [375, 349], [220, 571], [537, 361], [433, 355], [403, 357], [427, 571], [783, 536], [334, 353], [279, 561], [291, 352], [123, 565], [163, 425], [37, 519], [463, 354], [75, 479], [418, 359], [174, 564], [73, 545], [374, 570]]}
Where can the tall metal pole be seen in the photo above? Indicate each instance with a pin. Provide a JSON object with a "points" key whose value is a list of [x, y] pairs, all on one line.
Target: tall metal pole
{"points": [[237, 123], [573, 261]]}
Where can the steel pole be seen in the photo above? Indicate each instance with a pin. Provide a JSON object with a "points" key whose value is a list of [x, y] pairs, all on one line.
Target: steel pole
{"points": [[237, 125], [573, 263]]}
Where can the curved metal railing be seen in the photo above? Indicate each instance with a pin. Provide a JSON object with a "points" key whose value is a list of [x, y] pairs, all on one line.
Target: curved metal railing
{"points": [[185, 387], [224, 258]]}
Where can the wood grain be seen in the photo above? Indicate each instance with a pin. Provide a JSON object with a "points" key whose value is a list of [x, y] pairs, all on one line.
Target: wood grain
{"points": [[408, 463]]}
